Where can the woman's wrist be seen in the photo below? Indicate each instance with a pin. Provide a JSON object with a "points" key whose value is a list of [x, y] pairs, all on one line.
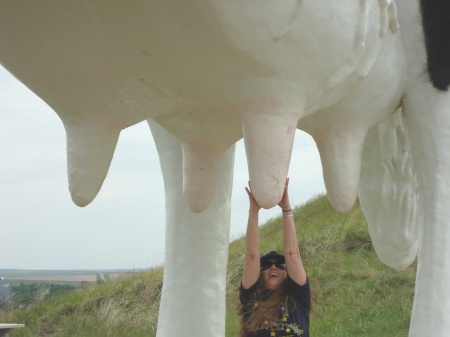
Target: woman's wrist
{"points": [[254, 210]]}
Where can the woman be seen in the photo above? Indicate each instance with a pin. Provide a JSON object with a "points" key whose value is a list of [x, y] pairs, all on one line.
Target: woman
{"points": [[274, 292]]}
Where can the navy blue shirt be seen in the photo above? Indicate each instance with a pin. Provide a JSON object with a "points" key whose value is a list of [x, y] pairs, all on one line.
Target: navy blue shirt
{"points": [[293, 322]]}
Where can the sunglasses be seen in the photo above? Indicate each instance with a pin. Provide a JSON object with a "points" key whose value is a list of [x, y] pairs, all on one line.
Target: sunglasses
{"points": [[268, 264]]}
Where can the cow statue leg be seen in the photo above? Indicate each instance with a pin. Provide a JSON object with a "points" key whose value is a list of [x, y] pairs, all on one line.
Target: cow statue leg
{"points": [[427, 115], [426, 108], [196, 248]]}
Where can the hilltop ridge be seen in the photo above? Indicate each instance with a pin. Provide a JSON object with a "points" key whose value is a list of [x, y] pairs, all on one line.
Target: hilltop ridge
{"points": [[354, 293]]}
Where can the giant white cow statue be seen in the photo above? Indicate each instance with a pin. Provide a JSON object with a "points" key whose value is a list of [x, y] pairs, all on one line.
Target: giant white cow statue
{"points": [[363, 77]]}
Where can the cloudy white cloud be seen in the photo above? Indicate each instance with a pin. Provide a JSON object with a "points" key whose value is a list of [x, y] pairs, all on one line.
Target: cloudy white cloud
{"points": [[41, 228]]}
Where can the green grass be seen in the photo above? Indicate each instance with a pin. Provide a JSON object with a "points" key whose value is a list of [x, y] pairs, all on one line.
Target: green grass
{"points": [[125, 307], [354, 294]]}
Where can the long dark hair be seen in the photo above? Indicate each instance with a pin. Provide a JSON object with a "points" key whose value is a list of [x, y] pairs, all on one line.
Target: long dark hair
{"points": [[265, 305]]}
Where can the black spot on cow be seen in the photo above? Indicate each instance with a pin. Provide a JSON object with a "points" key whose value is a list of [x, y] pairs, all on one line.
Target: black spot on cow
{"points": [[436, 27]]}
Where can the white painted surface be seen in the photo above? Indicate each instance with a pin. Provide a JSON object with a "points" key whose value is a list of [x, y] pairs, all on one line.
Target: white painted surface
{"points": [[5, 328]]}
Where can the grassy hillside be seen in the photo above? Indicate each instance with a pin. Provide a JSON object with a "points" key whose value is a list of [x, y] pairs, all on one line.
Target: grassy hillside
{"points": [[354, 294]]}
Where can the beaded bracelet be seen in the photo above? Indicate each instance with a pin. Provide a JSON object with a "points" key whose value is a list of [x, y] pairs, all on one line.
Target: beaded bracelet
{"points": [[288, 214]]}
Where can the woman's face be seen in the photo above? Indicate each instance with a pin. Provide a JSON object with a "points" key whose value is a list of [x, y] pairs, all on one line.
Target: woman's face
{"points": [[274, 275]]}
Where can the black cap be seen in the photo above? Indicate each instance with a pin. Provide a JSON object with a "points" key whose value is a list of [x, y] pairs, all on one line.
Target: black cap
{"points": [[274, 256]]}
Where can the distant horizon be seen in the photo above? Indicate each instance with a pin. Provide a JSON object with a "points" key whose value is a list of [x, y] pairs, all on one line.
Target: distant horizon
{"points": [[73, 270]]}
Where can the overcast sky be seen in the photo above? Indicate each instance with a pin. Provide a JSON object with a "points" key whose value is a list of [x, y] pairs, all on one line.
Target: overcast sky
{"points": [[40, 226]]}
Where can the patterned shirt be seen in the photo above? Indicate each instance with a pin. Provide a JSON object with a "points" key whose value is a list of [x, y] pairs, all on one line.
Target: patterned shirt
{"points": [[293, 322]]}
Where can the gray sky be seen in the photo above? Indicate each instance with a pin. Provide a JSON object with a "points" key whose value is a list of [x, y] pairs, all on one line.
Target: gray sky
{"points": [[40, 226]]}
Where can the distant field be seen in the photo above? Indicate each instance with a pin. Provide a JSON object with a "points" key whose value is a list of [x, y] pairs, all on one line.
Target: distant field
{"points": [[114, 276], [27, 276], [57, 278]]}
